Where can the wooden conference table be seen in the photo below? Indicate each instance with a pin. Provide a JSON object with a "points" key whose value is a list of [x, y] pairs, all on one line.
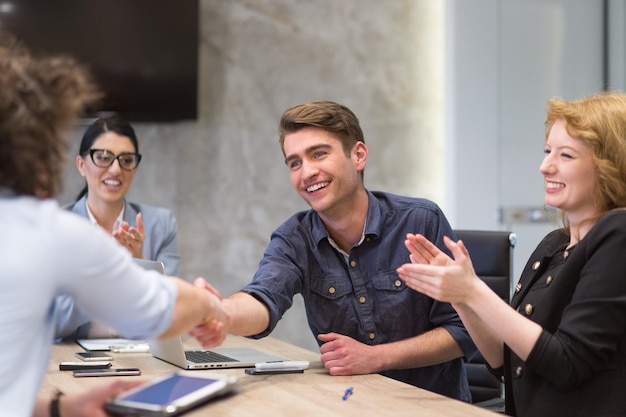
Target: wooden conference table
{"points": [[312, 393]]}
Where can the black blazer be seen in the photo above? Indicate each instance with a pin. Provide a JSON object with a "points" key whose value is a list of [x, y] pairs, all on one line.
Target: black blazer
{"points": [[578, 365]]}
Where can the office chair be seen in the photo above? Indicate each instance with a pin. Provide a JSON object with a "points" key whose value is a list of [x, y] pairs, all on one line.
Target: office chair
{"points": [[492, 256]]}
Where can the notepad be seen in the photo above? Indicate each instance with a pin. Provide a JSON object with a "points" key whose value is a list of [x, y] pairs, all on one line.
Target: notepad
{"points": [[106, 344]]}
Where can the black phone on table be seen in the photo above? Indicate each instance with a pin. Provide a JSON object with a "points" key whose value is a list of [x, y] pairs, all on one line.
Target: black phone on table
{"points": [[94, 356], [72, 366]]}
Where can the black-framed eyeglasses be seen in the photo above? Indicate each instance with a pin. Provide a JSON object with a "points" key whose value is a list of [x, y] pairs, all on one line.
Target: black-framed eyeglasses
{"points": [[103, 159]]}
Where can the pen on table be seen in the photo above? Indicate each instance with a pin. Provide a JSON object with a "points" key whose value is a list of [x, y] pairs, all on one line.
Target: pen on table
{"points": [[347, 394]]}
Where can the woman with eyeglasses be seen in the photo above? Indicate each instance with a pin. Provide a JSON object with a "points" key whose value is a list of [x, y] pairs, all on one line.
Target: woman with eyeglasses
{"points": [[108, 159]]}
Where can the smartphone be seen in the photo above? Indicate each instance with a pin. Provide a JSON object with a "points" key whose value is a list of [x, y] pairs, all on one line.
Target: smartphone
{"points": [[72, 366], [255, 371], [94, 356], [107, 372]]}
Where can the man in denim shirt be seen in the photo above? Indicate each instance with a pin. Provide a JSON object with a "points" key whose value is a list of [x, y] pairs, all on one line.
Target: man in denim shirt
{"points": [[342, 256]]}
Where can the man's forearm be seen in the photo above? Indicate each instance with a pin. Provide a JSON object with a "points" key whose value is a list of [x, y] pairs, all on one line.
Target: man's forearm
{"points": [[430, 348], [249, 315]]}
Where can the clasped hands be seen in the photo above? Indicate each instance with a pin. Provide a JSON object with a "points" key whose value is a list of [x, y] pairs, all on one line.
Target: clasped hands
{"points": [[212, 332], [434, 273]]}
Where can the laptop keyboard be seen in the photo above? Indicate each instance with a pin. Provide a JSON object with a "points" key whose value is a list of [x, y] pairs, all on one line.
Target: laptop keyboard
{"points": [[202, 356]]}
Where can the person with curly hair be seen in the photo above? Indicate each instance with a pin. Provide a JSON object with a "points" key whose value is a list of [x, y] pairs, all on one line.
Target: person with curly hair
{"points": [[49, 252]]}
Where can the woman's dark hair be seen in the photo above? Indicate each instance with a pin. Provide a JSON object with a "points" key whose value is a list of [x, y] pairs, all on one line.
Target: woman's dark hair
{"points": [[113, 123]]}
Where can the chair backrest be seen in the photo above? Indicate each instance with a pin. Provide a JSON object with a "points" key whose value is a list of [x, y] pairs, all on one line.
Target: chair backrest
{"points": [[492, 256]]}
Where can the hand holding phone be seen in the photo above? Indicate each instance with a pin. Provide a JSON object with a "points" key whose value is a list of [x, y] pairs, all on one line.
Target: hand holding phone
{"points": [[171, 394]]}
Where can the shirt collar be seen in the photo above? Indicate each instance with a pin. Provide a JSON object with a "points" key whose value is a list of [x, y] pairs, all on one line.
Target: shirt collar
{"points": [[118, 221], [372, 224], [334, 245]]}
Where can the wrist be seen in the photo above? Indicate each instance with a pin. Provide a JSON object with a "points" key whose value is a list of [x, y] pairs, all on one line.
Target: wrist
{"points": [[477, 295], [380, 358], [55, 405]]}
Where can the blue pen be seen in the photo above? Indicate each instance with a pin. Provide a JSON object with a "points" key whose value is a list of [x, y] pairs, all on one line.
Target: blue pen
{"points": [[347, 394]]}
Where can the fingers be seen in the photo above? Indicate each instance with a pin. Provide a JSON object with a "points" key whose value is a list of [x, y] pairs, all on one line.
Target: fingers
{"points": [[416, 280], [423, 251], [135, 234], [459, 251], [139, 221], [91, 402], [209, 334], [123, 227], [131, 237], [202, 283], [328, 339], [121, 385]]}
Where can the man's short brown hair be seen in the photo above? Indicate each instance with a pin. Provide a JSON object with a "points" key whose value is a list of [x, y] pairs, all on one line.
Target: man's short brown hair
{"points": [[330, 116]]}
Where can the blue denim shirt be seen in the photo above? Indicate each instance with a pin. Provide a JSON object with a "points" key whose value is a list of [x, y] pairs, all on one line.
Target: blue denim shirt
{"points": [[364, 298]]}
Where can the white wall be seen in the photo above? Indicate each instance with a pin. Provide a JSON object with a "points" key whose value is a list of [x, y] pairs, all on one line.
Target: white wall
{"points": [[471, 113], [507, 58]]}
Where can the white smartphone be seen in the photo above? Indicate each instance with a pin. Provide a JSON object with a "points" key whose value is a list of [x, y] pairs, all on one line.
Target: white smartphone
{"points": [[171, 394], [107, 372], [94, 356], [73, 366], [257, 371]]}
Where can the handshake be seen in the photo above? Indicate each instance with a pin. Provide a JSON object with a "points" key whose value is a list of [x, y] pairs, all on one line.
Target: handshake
{"points": [[214, 327], [205, 315]]}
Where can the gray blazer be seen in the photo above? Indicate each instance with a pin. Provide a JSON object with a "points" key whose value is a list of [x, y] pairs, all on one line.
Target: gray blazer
{"points": [[160, 244]]}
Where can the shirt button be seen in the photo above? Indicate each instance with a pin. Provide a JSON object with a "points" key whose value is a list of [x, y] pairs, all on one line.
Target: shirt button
{"points": [[536, 265], [518, 287], [529, 309], [331, 290], [353, 263], [362, 299], [518, 372], [549, 280], [398, 283], [372, 336]]}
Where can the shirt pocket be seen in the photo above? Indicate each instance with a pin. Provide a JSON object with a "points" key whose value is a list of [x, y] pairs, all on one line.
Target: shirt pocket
{"points": [[333, 309], [398, 311], [388, 281], [331, 288]]}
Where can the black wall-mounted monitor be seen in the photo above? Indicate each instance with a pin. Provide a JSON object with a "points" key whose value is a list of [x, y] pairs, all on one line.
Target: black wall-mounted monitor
{"points": [[142, 53]]}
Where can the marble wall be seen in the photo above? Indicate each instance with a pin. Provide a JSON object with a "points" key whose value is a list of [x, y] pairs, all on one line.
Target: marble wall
{"points": [[223, 175]]}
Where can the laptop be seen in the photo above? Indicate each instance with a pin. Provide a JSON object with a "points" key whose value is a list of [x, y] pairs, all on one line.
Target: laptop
{"points": [[151, 265], [173, 350]]}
